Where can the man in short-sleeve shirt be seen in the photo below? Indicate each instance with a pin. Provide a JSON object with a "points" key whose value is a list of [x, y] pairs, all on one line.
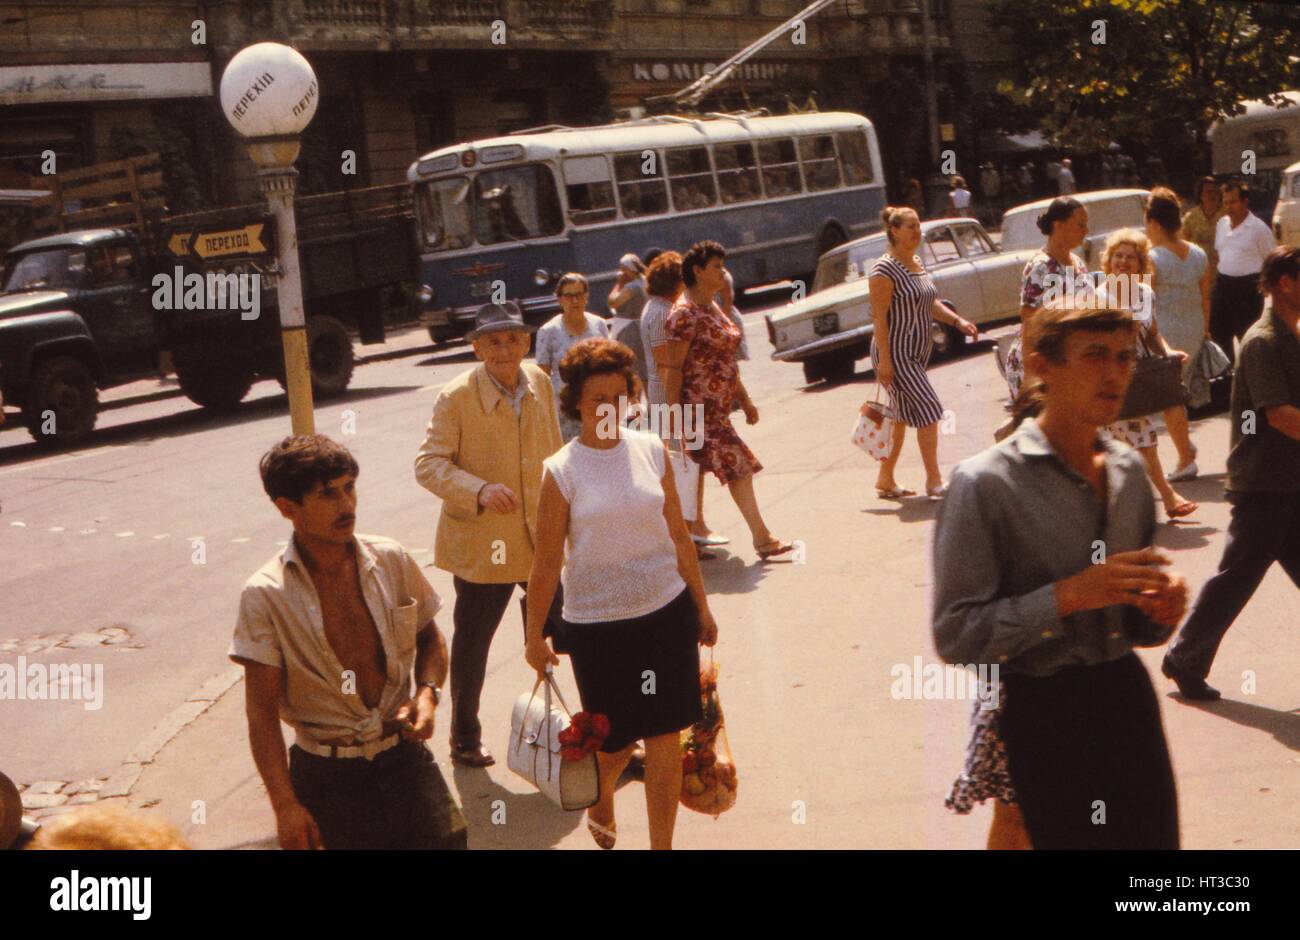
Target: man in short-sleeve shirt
{"points": [[329, 632], [1263, 477]]}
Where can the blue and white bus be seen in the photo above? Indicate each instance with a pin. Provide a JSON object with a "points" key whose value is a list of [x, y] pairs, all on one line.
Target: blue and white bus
{"points": [[504, 217]]}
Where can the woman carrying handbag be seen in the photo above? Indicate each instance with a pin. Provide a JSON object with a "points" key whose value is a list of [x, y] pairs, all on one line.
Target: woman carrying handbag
{"points": [[609, 504]]}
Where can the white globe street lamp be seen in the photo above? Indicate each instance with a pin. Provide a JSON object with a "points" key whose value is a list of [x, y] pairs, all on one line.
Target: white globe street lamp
{"points": [[269, 95]]}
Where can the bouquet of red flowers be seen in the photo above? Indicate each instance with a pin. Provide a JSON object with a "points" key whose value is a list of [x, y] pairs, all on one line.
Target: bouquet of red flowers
{"points": [[584, 735], [708, 771]]}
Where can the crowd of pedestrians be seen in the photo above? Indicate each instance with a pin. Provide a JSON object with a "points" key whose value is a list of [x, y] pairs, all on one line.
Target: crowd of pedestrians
{"points": [[547, 484]]}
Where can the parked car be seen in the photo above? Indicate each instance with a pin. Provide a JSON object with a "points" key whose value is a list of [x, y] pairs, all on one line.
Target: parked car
{"points": [[1108, 210], [830, 329]]}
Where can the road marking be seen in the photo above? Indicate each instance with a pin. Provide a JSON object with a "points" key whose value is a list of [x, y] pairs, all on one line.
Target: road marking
{"points": [[125, 535], [51, 463], [242, 539], [162, 536], [56, 528], [21, 525]]}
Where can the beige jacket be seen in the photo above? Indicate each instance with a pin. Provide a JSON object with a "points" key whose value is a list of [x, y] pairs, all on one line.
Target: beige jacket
{"points": [[474, 439]]}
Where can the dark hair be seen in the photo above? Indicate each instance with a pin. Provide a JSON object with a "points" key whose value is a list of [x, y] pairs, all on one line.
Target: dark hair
{"points": [[1281, 262], [699, 255], [650, 256], [1164, 210], [891, 217], [1198, 190], [573, 277], [293, 467], [664, 276], [1060, 209], [1240, 188], [1048, 331], [594, 357]]}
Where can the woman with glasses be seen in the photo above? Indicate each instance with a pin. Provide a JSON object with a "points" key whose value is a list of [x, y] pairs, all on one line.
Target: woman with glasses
{"points": [[562, 332]]}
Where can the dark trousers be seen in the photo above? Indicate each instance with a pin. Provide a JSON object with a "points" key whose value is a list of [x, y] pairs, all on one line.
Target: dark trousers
{"points": [[476, 616], [1235, 303], [399, 800], [1264, 528], [1088, 759]]}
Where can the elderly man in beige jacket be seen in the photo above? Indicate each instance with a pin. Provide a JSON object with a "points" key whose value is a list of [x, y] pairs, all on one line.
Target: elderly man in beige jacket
{"points": [[482, 456]]}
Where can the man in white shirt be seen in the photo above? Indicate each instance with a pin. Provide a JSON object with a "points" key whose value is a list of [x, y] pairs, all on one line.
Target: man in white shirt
{"points": [[1242, 240]]}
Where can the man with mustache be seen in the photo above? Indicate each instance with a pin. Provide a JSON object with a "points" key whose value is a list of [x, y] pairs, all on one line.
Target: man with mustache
{"points": [[328, 633]]}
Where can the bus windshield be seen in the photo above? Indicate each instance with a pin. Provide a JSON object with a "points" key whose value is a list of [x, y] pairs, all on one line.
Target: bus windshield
{"points": [[495, 207]]}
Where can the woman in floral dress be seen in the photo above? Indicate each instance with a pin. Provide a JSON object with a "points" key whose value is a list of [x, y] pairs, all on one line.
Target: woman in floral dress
{"points": [[701, 369], [1055, 269]]}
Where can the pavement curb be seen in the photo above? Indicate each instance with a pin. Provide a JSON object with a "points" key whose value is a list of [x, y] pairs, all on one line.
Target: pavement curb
{"points": [[196, 703]]}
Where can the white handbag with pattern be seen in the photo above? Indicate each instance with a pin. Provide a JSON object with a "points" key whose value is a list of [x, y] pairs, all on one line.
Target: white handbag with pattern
{"points": [[874, 432]]}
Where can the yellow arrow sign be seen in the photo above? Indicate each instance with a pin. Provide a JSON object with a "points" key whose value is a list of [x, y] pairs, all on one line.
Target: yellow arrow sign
{"points": [[179, 243], [239, 241]]}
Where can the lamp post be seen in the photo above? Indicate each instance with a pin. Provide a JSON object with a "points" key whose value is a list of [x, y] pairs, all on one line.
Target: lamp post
{"points": [[269, 95]]}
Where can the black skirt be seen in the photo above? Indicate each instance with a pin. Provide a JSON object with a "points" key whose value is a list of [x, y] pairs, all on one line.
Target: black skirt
{"points": [[643, 674], [1088, 759]]}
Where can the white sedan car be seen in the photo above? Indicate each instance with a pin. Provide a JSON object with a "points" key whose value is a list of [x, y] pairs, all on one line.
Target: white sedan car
{"points": [[830, 329]]}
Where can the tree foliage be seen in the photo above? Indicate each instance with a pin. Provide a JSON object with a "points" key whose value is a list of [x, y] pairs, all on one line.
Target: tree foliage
{"points": [[1144, 71]]}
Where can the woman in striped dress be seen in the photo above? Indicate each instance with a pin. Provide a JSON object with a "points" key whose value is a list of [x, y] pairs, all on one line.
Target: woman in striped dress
{"points": [[903, 301]]}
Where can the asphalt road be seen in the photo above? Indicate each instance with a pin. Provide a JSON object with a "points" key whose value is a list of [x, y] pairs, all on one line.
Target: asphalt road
{"points": [[828, 757]]}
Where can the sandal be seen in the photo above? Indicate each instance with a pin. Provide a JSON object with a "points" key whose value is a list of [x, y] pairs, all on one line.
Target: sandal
{"points": [[710, 539], [1185, 508], [477, 756], [773, 548], [605, 836], [937, 492], [894, 492], [703, 554]]}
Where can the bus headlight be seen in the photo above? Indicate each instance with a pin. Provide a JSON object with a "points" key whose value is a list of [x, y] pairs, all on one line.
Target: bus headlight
{"points": [[541, 277], [425, 294]]}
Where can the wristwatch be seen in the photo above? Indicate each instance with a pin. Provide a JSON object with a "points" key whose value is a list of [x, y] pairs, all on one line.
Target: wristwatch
{"points": [[437, 692]]}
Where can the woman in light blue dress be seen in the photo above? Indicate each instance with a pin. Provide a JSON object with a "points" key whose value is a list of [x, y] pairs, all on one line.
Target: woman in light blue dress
{"points": [[1182, 306]]}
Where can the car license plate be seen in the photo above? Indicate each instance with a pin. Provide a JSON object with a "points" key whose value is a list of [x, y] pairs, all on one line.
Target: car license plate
{"points": [[826, 323]]}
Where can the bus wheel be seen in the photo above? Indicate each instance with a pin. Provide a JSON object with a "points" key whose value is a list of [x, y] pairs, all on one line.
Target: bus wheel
{"points": [[331, 356], [61, 403]]}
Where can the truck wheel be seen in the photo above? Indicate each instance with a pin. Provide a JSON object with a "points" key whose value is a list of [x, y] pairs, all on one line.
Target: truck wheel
{"points": [[62, 402], [442, 335], [212, 379], [331, 356]]}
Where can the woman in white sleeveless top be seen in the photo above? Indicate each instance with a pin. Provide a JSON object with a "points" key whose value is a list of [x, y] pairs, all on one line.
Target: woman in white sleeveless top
{"points": [[633, 597]]}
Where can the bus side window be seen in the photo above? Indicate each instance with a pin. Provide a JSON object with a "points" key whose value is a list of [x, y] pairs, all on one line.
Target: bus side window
{"points": [[855, 158], [640, 192], [737, 172], [820, 167], [589, 190], [780, 167], [691, 174]]}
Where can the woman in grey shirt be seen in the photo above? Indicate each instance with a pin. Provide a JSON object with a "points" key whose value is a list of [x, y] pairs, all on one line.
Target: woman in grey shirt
{"points": [[1045, 574]]}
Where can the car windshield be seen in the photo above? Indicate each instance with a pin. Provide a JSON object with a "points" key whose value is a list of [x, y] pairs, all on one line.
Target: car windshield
{"points": [[52, 268], [848, 264]]}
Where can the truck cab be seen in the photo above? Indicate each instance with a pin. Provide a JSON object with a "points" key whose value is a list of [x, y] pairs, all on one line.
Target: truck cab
{"points": [[75, 316]]}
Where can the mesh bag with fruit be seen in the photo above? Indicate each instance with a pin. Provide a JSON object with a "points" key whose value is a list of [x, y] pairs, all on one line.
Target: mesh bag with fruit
{"points": [[708, 770]]}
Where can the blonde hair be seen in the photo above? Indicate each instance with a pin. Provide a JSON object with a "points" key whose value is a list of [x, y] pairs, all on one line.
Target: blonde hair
{"points": [[101, 826], [892, 217], [1133, 237]]}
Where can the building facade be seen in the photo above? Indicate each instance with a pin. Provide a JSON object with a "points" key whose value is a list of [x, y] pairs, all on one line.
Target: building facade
{"points": [[95, 81]]}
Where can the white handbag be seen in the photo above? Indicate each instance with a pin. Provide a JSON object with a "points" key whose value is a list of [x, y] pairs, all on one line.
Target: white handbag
{"points": [[534, 754], [874, 432], [686, 474]]}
